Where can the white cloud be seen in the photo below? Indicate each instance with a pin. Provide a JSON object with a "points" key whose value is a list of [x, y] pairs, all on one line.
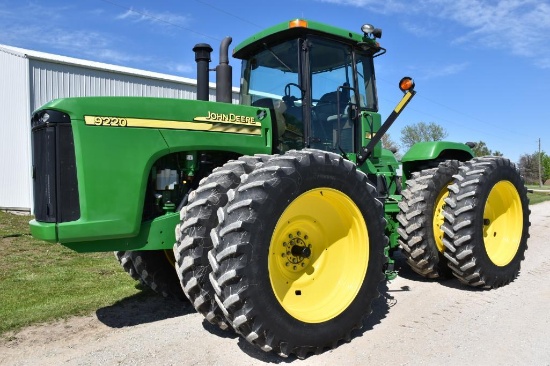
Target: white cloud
{"points": [[163, 18], [521, 27], [384, 7], [97, 12], [442, 71], [422, 30], [179, 68], [117, 57], [80, 43]]}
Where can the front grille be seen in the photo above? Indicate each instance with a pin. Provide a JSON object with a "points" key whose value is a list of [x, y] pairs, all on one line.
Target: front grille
{"points": [[54, 168]]}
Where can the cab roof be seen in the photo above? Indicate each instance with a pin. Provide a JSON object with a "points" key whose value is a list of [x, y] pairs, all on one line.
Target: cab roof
{"points": [[294, 29]]}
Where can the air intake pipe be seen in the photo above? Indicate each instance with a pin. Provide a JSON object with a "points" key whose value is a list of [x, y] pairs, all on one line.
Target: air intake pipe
{"points": [[224, 74], [202, 57]]}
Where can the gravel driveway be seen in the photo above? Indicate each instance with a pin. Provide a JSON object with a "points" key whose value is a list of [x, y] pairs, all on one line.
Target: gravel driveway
{"points": [[416, 322]]}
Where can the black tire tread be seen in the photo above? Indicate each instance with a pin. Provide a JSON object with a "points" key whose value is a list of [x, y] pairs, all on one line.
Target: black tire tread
{"points": [[126, 262], [231, 251], [156, 271], [197, 218], [416, 216], [463, 247]]}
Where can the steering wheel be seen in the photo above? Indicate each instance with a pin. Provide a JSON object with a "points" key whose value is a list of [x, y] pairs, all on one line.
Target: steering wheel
{"points": [[287, 91], [288, 98]]}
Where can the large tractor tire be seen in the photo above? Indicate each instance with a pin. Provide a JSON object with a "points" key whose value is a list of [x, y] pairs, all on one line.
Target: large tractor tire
{"points": [[486, 222], [156, 268], [126, 262], [298, 253], [421, 217], [193, 243]]}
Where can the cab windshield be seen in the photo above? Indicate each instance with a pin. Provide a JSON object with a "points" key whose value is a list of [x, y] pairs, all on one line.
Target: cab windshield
{"points": [[316, 87]]}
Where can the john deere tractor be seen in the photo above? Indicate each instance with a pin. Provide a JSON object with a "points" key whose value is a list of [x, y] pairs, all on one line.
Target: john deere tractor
{"points": [[280, 216]]}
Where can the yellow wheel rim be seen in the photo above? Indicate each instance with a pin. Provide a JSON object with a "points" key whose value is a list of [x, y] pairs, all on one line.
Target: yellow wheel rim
{"points": [[170, 257], [318, 255], [438, 218], [502, 223]]}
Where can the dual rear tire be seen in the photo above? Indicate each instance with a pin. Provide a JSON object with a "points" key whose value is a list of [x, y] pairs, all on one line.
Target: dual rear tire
{"points": [[421, 217], [470, 220], [296, 253], [486, 222], [198, 218]]}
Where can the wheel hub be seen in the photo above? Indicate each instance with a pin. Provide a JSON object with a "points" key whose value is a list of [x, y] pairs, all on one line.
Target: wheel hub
{"points": [[318, 255], [296, 251], [502, 223]]}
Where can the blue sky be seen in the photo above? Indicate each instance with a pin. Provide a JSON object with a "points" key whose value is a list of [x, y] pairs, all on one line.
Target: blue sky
{"points": [[482, 68]]}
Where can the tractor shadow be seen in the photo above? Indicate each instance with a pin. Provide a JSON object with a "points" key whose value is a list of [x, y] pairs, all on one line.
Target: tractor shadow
{"points": [[142, 308], [405, 271], [217, 331], [247, 348], [380, 309]]}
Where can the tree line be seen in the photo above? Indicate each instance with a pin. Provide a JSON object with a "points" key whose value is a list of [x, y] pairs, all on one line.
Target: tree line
{"points": [[421, 132]]}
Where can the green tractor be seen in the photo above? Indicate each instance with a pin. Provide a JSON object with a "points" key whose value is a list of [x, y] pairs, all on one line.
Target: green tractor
{"points": [[285, 210]]}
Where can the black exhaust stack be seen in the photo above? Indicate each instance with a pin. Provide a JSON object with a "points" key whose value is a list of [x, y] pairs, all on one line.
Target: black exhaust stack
{"points": [[202, 57], [224, 74]]}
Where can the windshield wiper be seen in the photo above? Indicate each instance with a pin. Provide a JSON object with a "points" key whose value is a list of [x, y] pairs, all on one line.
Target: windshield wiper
{"points": [[277, 57]]}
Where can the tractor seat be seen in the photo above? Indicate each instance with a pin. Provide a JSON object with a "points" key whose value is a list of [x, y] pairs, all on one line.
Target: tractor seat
{"points": [[328, 105]]}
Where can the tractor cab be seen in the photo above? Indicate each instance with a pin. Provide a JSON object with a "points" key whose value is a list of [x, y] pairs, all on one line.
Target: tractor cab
{"points": [[315, 78]]}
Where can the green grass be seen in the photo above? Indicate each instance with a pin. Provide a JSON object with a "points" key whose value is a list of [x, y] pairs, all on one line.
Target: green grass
{"points": [[41, 282], [537, 197]]}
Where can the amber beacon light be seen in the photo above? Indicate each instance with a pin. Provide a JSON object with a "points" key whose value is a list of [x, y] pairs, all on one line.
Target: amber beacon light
{"points": [[297, 23]]}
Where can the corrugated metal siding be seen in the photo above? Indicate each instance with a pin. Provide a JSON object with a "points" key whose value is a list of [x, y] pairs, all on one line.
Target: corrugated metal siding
{"points": [[15, 186], [51, 81]]}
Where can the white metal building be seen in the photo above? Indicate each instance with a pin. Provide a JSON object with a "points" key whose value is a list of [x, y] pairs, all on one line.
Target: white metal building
{"points": [[29, 79]]}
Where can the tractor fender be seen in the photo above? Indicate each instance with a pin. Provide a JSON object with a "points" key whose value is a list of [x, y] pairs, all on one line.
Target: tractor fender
{"points": [[428, 154]]}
